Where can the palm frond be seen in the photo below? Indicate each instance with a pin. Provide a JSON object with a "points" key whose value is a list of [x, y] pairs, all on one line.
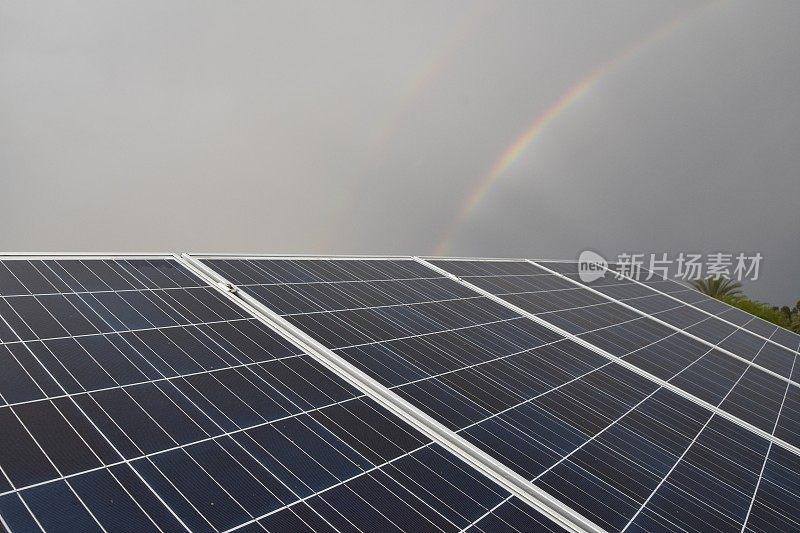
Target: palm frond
{"points": [[718, 287]]}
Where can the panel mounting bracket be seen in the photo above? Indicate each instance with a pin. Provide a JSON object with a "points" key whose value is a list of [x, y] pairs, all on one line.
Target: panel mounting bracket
{"points": [[227, 286]]}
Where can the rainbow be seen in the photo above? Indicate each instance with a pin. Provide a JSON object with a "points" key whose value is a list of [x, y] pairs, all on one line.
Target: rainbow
{"points": [[513, 152]]}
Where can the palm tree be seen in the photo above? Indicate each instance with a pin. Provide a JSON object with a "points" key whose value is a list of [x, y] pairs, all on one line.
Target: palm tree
{"points": [[717, 287]]}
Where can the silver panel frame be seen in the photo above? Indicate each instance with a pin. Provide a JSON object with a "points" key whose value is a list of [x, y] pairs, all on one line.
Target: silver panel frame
{"points": [[66, 256]]}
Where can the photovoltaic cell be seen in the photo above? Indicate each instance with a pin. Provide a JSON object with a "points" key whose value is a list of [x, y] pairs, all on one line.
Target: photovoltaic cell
{"points": [[134, 397], [599, 437]]}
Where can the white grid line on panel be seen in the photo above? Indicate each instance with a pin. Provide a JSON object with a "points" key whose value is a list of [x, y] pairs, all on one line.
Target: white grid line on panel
{"points": [[684, 454], [144, 481], [766, 457], [137, 330], [97, 429], [485, 515], [167, 433]]}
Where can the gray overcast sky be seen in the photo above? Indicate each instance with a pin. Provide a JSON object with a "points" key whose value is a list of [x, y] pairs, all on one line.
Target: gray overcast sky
{"points": [[363, 127]]}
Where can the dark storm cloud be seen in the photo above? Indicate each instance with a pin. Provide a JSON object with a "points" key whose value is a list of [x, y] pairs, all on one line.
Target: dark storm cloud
{"points": [[361, 128]]}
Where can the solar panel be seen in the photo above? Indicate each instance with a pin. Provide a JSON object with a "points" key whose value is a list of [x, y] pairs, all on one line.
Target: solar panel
{"points": [[768, 348], [756, 329], [615, 445], [136, 397], [712, 320], [720, 309], [744, 390]]}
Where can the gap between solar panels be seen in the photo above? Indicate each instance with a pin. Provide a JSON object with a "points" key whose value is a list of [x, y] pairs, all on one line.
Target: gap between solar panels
{"points": [[537, 498], [552, 327]]}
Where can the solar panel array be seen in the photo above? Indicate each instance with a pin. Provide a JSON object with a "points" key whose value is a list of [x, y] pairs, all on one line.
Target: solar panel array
{"points": [[137, 394]]}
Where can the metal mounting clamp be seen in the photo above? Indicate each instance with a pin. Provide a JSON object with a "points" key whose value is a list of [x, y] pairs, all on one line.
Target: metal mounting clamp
{"points": [[227, 286]]}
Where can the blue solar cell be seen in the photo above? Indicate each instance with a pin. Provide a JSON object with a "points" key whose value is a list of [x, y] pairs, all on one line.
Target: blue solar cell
{"points": [[57, 508]]}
